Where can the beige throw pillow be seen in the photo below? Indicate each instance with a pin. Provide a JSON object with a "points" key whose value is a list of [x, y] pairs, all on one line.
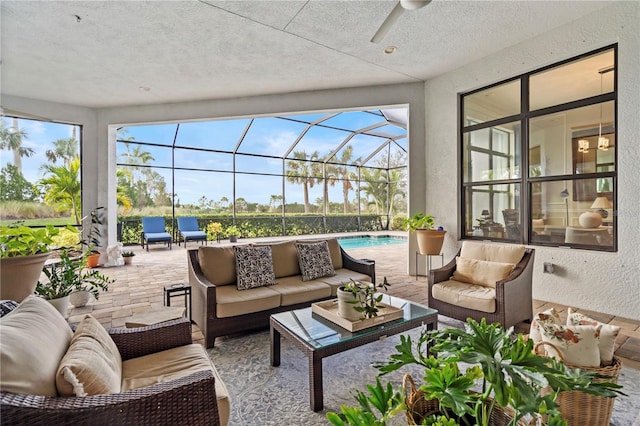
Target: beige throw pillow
{"points": [[606, 338], [92, 365], [33, 339], [574, 344], [481, 272]]}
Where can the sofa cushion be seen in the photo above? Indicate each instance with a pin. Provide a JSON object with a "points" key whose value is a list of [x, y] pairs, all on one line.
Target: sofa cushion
{"points": [[574, 344], [470, 296], [285, 259], [33, 339], [314, 260], [218, 264], [334, 250], [231, 302], [505, 253], [92, 364], [481, 272], [293, 290], [606, 338], [172, 364], [342, 276], [254, 267]]}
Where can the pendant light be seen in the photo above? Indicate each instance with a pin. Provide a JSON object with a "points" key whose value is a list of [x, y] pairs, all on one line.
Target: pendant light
{"points": [[603, 142]]}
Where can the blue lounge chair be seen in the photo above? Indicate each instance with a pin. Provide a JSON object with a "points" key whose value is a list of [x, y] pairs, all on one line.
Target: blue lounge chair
{"points": [[153, 231], [189, 230]]}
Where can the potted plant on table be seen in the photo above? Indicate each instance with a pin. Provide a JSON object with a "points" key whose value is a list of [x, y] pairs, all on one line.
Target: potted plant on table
{"points": [[23, 251], [429, 239], [128, 257], [505, 381], [69, 276], [359, 301], [213, 230], [233, 232]]}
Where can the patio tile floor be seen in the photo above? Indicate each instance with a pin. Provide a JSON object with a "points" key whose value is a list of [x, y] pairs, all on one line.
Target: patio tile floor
{"points": [[139, 288]]}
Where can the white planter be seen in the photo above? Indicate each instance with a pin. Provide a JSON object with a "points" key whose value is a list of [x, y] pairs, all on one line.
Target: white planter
{"points": [[61, 304], [345, 309], [79, 298], [19, 275]]}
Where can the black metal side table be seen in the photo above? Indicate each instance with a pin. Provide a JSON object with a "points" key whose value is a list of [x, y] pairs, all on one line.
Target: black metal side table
{"points": [[177, 290]]}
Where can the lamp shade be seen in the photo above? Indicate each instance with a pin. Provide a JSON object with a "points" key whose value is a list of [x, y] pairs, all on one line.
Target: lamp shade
{"points": [[485, 212], [601, 203]]}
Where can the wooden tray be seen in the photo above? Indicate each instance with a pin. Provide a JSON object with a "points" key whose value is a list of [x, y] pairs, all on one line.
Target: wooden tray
{"points": [[329, 310]]}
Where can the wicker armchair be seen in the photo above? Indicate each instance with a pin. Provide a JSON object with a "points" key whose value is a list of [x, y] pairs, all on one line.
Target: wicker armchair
{"points": [[190, 400], [513, 294]]}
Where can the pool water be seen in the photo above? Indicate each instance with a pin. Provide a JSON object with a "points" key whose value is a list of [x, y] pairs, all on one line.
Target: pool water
{"points": [[369, 241]]}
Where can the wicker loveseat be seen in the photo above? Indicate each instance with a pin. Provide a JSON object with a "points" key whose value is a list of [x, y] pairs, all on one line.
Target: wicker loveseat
{"points": [[220, 308], [165, 378], [492, 281]]}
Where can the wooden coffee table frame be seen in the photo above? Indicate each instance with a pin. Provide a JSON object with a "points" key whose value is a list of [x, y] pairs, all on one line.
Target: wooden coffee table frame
{"points": [[315, 355]]}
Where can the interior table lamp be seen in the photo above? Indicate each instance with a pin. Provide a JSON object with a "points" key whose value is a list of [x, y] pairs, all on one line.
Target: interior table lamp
{"points": [[590, 219]]}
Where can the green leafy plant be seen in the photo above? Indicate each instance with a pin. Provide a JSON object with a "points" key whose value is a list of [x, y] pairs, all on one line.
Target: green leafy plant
{"points": [[69, 275], [128, 254], [232, 230], [24, 241], [504, 372], [365, 298], [93, 239], [419, 221]]}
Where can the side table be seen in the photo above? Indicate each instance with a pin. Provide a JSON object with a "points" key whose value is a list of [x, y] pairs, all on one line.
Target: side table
{"points": [[429, 256], [177, 290]]}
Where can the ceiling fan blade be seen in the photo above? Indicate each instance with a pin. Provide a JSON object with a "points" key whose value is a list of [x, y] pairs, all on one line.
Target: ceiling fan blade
{"points": [[388, 23]]}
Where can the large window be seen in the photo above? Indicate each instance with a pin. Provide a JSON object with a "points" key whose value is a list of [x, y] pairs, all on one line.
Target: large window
{"points": [[538, 156]]}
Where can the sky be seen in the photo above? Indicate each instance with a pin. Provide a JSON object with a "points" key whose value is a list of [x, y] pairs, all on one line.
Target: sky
{"points": [[266, 135]]}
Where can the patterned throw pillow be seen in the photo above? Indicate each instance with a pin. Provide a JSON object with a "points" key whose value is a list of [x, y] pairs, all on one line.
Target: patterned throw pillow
{"points": [[7, 306], [574, 344], [314, 260], [254, 267], [550, 316], [606, 339]]}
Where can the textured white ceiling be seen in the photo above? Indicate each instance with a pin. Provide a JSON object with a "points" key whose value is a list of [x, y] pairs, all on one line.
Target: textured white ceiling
{"points": [[193, 50]]}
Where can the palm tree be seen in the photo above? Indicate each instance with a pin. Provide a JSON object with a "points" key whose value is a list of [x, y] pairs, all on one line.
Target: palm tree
{"points": [[65, 149], [302, 171], [136, 158], [122, 198], [63, 187], [11, 139], [345, 175]]}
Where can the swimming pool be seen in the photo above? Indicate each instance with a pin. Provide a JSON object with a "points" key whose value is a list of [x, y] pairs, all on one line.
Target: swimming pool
{"points": [[369, 241]]}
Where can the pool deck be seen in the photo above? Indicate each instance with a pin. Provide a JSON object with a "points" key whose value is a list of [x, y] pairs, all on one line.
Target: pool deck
{"points": [[139, 287]]}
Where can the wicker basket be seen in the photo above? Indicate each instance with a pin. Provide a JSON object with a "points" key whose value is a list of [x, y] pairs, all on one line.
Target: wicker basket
{"points": [[583, 409], [418, 407]]}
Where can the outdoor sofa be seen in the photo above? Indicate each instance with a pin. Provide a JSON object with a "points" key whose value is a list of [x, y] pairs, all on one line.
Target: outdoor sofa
{"points": [[151, 375], [221, 308]]}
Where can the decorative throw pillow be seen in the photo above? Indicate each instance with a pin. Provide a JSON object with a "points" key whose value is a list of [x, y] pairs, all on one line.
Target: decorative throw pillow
{"points": [[92, 364], [481, 272], [574, 344], [606, 339], [7, 306], [550, 316], [254, 267], [315, 260]]}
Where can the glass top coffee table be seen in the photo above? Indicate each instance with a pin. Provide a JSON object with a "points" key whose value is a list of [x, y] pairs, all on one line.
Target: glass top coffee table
{"points": [[318, 337]]}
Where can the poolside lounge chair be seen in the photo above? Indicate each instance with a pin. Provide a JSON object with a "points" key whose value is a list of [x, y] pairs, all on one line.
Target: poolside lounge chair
{"points": [[153, 231], [189, 230]]}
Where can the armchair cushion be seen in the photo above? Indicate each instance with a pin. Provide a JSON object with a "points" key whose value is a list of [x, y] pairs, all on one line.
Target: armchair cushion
{"points": [[505, 253], [470, 296], [92, 364], [30, 351], [481, 272]]}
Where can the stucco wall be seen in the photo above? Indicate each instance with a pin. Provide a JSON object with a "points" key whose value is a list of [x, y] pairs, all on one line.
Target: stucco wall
{"points": [[603, 282]]}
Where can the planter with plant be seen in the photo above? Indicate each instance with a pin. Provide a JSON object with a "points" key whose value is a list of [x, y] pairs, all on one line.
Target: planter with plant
{"points": [[128, 257], [232, 232], [429, 239], [93, 241], [69, 275], [359, 301], [482, 376], [23, 252], [213, 231]]}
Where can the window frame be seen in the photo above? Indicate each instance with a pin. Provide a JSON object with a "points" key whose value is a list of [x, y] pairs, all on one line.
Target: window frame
{"points": [[525, 180]]}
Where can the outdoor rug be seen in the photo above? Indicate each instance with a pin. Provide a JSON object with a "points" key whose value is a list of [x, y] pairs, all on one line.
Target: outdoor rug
{"points": [[265, 395]]}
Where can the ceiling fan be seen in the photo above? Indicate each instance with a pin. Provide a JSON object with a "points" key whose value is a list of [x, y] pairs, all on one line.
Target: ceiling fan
{"points": [[396, 12]]}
